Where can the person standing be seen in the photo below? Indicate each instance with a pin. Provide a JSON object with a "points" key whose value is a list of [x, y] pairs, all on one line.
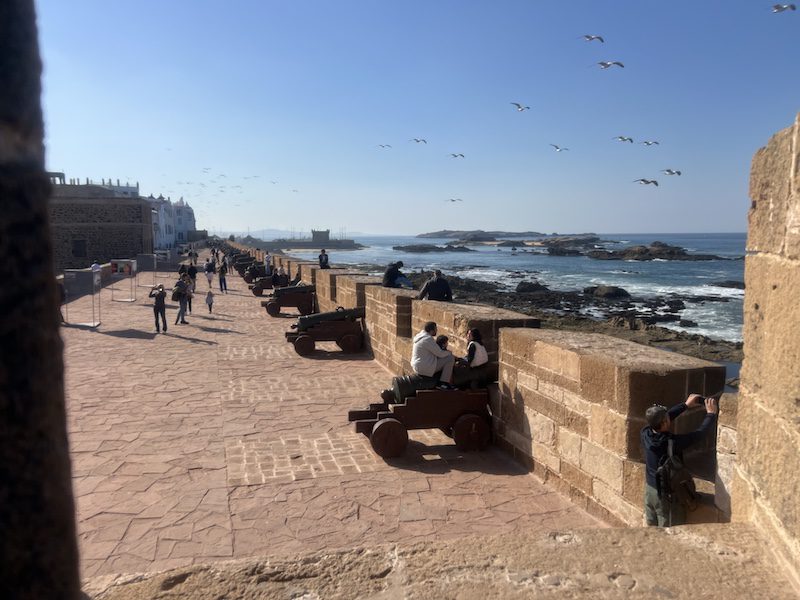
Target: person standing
{"points": [[210, 299], [323, 260], [159, 305], [209, 270], [656, 439], [192, 271], [180, 293], [223, 281], [190, 288], [436, 288], [427, 358]]}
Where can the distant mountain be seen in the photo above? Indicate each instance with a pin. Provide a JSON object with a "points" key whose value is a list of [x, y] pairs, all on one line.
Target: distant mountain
{"points": [[478, 234]]}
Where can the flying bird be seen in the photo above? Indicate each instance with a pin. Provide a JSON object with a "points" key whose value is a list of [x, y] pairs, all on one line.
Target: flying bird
{"points": [[650, 143], [671, 172], [459, 155], [295, 191], [591, 38], [622, 138], [454, 200], [646, 182], [273, 182], [519, 106], [779, 8], [559, 148], [605, 64], [384, 145], [419, 140]]}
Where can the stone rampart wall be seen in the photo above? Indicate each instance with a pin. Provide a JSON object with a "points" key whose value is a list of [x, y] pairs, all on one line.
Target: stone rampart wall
{"points": [[350, 289], [326, 287], [389, 326], [571, 407], [768, 458]]}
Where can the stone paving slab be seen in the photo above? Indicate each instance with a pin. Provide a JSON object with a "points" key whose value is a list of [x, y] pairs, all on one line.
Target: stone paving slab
{"points": [[217, 441]]}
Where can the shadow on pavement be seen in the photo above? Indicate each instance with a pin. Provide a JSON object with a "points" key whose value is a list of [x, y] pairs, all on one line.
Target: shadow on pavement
{"points": [[191, 339], [217, 330], [320, 354], [135, 334], [441, 459]]}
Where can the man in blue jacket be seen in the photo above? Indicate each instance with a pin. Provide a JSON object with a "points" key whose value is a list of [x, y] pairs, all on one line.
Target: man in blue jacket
{"points": [[655, 437]]}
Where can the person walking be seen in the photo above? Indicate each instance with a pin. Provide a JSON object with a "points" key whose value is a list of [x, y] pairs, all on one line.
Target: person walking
{"points": [[209, 269], [180, 293], [210, 299], [190, 293], [159, 306], [222, 276], [192, 271]]}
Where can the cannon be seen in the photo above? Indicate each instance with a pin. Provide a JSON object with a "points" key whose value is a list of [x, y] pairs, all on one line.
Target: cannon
{"points": [[462, 415], [261, 284], [254, 271], [345, 326], [302, 297], [241, 264]]}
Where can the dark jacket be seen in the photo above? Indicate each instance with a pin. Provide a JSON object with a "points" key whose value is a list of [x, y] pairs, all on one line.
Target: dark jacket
{"points": [[210, 267], [160, 298], [192, 271], [654, 443], [390, 276], [436, 288], [323, 261]]}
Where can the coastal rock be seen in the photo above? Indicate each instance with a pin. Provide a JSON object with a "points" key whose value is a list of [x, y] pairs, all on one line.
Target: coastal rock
{"points": [[606, 291], [728, 283], [655, 251], [425, 248], [527, 287], [559, 251]]}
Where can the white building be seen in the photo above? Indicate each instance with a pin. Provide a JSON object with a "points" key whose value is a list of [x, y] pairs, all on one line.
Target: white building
{"points": [[172, 222]]}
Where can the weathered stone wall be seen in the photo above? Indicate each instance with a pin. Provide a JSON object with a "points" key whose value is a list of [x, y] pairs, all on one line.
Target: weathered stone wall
{"points": [[350, 289], [326, 287], [726, 452], [110, 227], [389, 326], [766, 473], [571, 407]]}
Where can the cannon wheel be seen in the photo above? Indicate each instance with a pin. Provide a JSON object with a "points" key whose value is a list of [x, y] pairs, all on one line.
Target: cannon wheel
{"points": [[273, 309], [389, 438], [248, 278], [306, 309], [258, 290], [304, 345], [471, 432], [349, 343]]}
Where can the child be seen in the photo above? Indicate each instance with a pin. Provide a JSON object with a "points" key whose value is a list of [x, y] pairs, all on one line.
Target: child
{"points": [[442, 341], [210, 299]]}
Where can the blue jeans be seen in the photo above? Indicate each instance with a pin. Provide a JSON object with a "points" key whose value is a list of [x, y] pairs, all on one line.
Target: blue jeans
{"points": [[223, 284], [181, 310], [404, 281]]}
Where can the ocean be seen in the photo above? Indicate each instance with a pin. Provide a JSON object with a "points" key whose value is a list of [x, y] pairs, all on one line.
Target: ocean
{"points": [[718, 320]]}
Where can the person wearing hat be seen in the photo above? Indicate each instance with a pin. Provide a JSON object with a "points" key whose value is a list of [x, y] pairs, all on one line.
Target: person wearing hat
{"points": [[159, 305], [655, 437], [436, 288]]}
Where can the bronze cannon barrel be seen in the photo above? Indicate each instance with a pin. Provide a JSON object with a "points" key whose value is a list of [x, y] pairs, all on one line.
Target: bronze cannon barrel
{"points": [[340, 314]]}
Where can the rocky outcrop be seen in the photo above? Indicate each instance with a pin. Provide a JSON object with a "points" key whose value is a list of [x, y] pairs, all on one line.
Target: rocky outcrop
{"points": [[606, 291], [426, 248], [729, 283], [528, 287], [655, 251]]}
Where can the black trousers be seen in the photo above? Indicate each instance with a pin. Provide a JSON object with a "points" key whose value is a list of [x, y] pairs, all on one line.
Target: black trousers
{"points": [[163, 313]]}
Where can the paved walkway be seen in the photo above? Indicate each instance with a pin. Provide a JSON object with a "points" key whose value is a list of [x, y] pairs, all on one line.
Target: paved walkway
{"points": [[217, 441]]}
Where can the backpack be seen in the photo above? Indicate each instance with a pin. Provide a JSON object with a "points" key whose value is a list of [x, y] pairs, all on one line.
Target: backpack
{"points": [[674, 482]]}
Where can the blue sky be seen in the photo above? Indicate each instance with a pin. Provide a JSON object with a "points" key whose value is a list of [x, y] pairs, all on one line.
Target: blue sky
{"points": [[302, 92]]}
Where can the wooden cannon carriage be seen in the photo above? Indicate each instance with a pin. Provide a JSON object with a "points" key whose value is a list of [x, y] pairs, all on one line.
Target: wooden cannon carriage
{"points": [[242, 262], [254, 271], [343, 326], [412, 404], [261, 284], [301, 297]]}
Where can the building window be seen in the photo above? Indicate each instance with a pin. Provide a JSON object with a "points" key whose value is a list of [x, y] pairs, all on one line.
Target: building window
{"points": [[79, 249]]}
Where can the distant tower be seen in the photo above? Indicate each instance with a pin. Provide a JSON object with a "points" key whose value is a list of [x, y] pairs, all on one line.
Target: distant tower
{"points": [[321, 237]]}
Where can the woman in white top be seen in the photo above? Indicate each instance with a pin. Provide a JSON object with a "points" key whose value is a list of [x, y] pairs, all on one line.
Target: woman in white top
{"points": [[476, 352]]}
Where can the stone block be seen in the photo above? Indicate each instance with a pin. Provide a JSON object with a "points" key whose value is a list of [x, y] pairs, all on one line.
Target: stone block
{"points": [[576, 422], [769, 452], [771, 333], [723, 482], [633, 481], [770, 190], [569, 446], [609, 429], [629, 513], [598, 379], [539, 428], [576, 478], [602, 464], [638, 390], [547, 457], [726, 440], [634, 439], [728, 407], [550, 408]]}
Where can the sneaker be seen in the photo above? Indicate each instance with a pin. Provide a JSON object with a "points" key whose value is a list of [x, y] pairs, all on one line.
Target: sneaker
{"points": [[445, 386], [184, 322]]}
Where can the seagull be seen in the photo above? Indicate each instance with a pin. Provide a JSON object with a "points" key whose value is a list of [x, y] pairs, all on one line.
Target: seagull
{"points": [[671, 172], [206, 169], [295, 191], [779, 8], [384, 145], [646, 182], [419, 140], [454, 200], [273, 182], [622, 138], [519, 106], [604, 64], [459, 155], [650, 143], [591, 38], [559, 148]]}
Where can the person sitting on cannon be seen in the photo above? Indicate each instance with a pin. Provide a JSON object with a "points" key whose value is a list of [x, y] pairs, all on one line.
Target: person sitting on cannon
{"points": [[428, 359], [436, 288], [393, 278]]}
